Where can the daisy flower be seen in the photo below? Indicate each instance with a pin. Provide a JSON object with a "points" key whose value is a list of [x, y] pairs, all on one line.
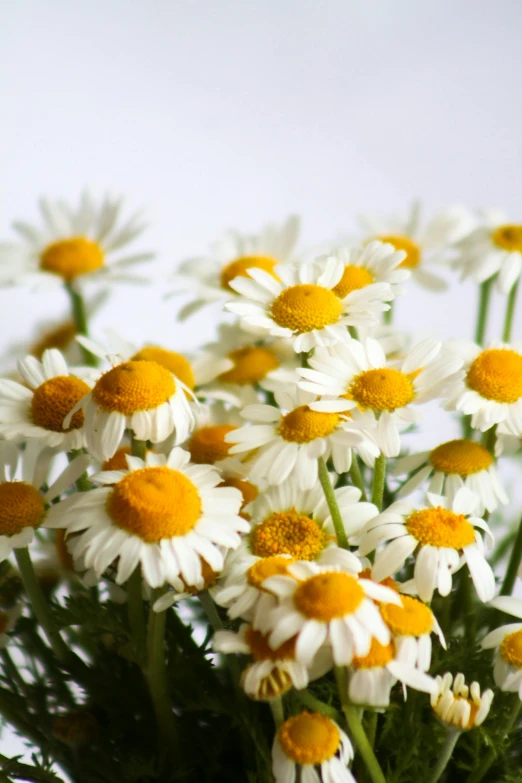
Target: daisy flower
{"points": [[36, 408], [312, 748], [505, 442], [439, 536], [359, 376], [411, 625], [207, 444], [290, 442], [234, 256], [73, 243], [489, 386], [163, 513], [452, 465], [507, 671], [301, 304], [460, 707], [375, 262], [421, 244], [492, 249]]}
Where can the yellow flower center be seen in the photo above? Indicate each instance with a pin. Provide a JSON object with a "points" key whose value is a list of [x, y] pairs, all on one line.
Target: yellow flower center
{"points": [[326, 596], [412, 250], [413, 618], [70, 258], [511, 649], [309, 738], [251, 365], [207, 445], [508, 237], [240, 267], [261, 650], [305, 307], [289, 533], [20, 506], [248, 490], [134, 386], [60, 336], [496, 374], [441, 528], [303, 425], [384, 389], [354, 278], [118, 461], [155, 503], [379, 655], [53, 400], [463, 457], [267, 567], [172, 361]]}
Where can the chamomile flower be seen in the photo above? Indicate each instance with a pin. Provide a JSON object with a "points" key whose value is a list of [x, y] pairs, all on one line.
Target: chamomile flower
{"points": [[36, 409], [439, 536], [358, 375], [312, 748], [233, 256], [411, 625], [290, 438], [164, 513], [460, 707], [73, 243], [207, 444], [505, 442], [489, 386], [452, 465], [375, 262], [507, 671], [302, 306]]}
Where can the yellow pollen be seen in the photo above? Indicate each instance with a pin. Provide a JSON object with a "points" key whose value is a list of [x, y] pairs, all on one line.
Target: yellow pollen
{"points": [[207, 445], [20, 506], [354, 278], [251, 365], [170, 360], [325, 597], [309, 738], [413, 618], [496, 374], [383, 389], [267, 567], [155, 503], [289, 533], [70, 258], [261, 650], [118, 461], [463, 457], [303, 425], [511, 649], [379, 655], [134, 386], [305, 307], [60, 336], [240, 267], [508, 237], [412, 250], [53, 400], [248, 490], [441, 528]]}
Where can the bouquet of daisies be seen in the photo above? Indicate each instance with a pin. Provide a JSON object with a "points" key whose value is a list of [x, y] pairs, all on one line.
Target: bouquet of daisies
{"points": [[232, 566]]}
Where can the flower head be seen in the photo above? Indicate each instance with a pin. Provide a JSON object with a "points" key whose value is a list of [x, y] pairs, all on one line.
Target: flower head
{"points": [[460, 707], [507, 639]]}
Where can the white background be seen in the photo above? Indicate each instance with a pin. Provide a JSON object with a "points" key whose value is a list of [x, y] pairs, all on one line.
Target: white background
{"points": [[232, 113]]}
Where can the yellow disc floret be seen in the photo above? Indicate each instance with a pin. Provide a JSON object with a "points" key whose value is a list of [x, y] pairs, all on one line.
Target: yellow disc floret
{"points": [[134, 386], [462, 457], [70, 258], [267, 567], [172, 361], [413, 618], [511, 649], [354, 277], [496, 374], [59, 336], [20, 506], [261, 650], [240, 267], [379, 655], [248, 490], [207, 445], [155, 503], [289, 533], [325, 597], [383, 389], [53, 400], [309, 738], [118, 461], [251, 364], [440, 527], [508, 237], [412, 250], [305, 307], [303, 425]]}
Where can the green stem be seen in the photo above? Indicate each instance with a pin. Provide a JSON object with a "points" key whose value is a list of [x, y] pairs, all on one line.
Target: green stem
{"points": [[388, 315], [482, 315], [138, 448], [372, 728], [445, 755], [510, 312], [329, 494], [309, 700], [483, 766], [79, 315], [379, 477], [82, 484], [210, 609], [278, 711], [12, 672], [39, 604], [136, 612], [513, 565], [156, 673], [356, 476], [490, 439], [356, 730]]}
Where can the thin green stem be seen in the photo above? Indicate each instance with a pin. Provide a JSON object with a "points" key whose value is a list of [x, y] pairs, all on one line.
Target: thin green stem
{"points": [[372, 728], [156, 673], [513, 565], [79, 315], [388, 315], [445, 755], [82, 484], [510, 312], [12, 672], [210, 609], [483, 766], [379, 477], [136, 612], [138, 448], [490, 439], [309, 700], [329, 494], [483, 309], [278, 711], [356, 476]]}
